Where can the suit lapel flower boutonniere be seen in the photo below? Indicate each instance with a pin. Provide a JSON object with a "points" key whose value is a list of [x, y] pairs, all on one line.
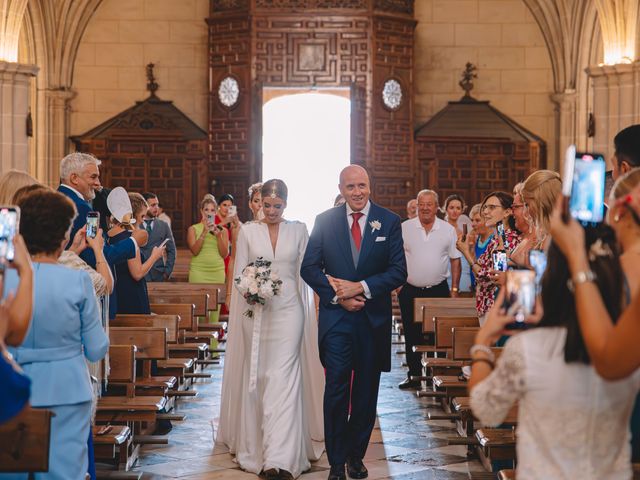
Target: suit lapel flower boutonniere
{"points": [[375, 225]]}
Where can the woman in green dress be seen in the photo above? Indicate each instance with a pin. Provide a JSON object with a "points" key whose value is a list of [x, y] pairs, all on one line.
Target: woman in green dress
{"points": [[209, 245]]}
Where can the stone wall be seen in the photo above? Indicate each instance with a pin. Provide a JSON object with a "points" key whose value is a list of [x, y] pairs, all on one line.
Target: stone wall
{"points": [[504, 41], [125, 35], [500, 37]]}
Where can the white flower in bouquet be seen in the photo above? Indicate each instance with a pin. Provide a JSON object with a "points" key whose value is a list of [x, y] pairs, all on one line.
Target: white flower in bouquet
{"points": [[258, 283], [266, 290]]}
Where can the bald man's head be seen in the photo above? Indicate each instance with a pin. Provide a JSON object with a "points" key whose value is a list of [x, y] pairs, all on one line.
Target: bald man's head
{"points": [[354, 186]]}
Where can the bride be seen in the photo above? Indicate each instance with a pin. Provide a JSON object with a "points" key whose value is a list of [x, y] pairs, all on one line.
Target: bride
{"points": [[272, 389]]}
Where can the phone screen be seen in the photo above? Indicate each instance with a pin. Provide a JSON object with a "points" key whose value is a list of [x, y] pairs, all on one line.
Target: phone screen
{"points": [[520, 298], [500, 262], [586, 203], [93, 223], [233, 211], [465, 231], [538, 261], [9, 223]]}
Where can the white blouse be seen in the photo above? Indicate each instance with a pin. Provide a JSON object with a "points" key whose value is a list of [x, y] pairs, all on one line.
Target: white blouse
{"points": [[572, 424]]}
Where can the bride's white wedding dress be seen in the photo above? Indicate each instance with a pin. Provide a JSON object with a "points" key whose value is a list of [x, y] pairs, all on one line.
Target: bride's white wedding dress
{"points": [[276, 422]]}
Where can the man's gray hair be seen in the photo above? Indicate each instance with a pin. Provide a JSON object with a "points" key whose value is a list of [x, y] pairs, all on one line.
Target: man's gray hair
{"points": [[75, 163], [426, 191]]}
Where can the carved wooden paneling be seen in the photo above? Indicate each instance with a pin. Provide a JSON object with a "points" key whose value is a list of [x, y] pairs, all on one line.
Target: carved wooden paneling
{"points": [[311, 4], [392, 163], [328, 51], [472, 168], [394, 6], [294, 43], [164, 168]]}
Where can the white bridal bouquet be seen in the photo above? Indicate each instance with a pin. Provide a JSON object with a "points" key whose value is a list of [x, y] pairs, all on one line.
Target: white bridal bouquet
{"points": [[258, 283]]}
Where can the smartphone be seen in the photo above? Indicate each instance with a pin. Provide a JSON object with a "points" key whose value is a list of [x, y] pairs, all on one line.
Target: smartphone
{"points": [[465, 231], [500, 262], [520, 296], [211, 219], [538, 262], [93, 224], [500, 232], [583, 185], [9, 226], [233, 211], [164, 242]]}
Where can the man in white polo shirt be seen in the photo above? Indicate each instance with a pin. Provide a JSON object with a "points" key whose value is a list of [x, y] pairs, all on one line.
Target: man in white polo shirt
{"points": [[430, 249]]}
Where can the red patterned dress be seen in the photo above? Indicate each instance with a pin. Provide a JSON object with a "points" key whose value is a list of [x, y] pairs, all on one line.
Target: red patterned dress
{"points": [[486, 289]]}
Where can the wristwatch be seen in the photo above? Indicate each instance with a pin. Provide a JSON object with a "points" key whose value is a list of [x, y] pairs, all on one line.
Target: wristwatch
{"points": [[581, 277], [455, 289]]}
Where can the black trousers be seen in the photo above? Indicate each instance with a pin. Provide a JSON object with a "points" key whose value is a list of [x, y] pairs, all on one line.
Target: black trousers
{"points": [[413, 331]]}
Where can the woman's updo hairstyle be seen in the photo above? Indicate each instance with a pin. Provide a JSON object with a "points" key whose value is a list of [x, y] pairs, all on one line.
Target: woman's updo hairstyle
{"points": [[275, 188], [208, 198]]}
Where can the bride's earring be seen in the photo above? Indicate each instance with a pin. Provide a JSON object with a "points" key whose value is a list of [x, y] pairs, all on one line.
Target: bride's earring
{"points": [[616, 218]]}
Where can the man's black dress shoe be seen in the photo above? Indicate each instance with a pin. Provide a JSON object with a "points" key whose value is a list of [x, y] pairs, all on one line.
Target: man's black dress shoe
{"points": [[408, 383], [356, 469], [337, 473]]}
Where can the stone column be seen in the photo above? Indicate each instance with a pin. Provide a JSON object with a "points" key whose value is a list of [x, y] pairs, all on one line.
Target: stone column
{"points": [[53, 137], [14, 107], [565, 106], [616, 102]]}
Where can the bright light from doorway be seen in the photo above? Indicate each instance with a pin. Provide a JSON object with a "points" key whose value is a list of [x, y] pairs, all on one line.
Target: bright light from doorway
{"points": [[305, 142]]}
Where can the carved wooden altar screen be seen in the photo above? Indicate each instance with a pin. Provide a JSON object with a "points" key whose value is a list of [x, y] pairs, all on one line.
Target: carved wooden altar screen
{"points": [[360, 44], [154, 147], [472, 149]]}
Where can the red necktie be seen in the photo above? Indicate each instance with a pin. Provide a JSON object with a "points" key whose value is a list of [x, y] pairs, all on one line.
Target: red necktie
{"points": [[356, 233]]}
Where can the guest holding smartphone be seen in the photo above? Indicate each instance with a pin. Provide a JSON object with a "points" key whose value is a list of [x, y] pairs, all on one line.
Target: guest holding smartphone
{"points": [[209, 244], [227, 217], [131, 287]]}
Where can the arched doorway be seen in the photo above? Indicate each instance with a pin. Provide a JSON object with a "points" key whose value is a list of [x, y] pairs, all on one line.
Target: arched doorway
{"points": [[362, 45], [306, 142]]}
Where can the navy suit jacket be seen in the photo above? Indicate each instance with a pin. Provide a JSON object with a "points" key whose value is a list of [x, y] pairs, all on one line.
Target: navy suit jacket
{"points": [[381, 264], [112, 253]]}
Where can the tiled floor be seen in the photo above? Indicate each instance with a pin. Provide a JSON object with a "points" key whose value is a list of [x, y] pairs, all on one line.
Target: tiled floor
{"points": [[404, 445]]}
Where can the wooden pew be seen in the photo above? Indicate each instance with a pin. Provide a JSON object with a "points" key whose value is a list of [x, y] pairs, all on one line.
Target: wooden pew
{"points": [[25, 441], [496, 444], [131, 410], [444, 342], [178, 349], [427, 308], [216, 292], [507, 475], [113, 445], [178, 367], [450, 386], [151, 344]]}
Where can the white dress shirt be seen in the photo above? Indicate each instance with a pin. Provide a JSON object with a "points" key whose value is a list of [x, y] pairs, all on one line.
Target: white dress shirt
{"points": [[428, 254]]}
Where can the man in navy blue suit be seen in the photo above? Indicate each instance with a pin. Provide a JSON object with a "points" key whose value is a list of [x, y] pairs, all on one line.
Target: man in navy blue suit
{"points": [[354, 260], [79, 180]]}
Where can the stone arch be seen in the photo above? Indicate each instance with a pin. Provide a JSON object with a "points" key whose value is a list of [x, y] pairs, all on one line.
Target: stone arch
{"points": [[11, 14], [53, 30], [567, 27]]}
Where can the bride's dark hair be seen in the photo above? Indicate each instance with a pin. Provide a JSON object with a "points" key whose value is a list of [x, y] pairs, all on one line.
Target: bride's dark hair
{"points": [[275, 188]]}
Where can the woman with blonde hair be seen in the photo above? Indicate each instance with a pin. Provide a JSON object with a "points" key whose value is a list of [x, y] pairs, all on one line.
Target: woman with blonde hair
{"points": [[11, 182], [539, 194], [209, 244]]}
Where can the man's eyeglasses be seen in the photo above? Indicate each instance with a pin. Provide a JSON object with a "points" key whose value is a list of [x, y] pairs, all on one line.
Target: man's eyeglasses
{"points": [[490, 207], [515, 206]]}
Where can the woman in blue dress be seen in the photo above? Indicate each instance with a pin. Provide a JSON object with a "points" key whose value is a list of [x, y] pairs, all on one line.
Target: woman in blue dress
{"points": [[127, 211], [65, 330]]}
